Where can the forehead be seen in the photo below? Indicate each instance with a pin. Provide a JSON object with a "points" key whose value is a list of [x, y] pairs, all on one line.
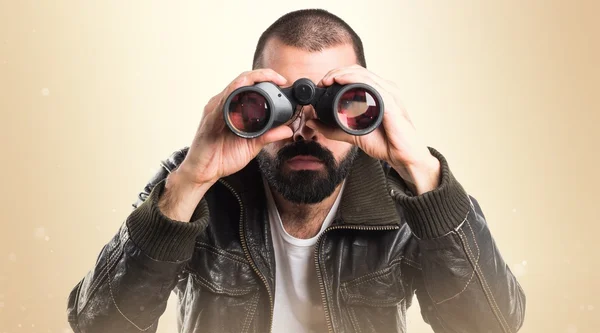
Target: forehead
{"points": [[294, 63]]}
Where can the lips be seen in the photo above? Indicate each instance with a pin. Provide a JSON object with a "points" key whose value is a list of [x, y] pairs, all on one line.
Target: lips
{"points": [[305, 158], [303, 162]]}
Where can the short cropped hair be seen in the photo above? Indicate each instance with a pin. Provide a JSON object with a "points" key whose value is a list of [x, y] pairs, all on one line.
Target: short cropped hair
{"points": [[311, 30]]}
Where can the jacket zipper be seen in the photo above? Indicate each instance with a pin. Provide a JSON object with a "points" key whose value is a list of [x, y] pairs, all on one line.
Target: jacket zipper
{"points": [[247, 252], [319, 274]]}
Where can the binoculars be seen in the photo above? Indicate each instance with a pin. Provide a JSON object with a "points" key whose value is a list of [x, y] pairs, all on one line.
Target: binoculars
{"points": [[251, 111]]}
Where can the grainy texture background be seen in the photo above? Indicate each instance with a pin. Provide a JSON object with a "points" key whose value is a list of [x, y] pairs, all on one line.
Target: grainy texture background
{"points": [[94, 94]]}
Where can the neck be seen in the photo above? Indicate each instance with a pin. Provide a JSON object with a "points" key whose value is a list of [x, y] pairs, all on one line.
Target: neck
{"points": [[304, 220]]}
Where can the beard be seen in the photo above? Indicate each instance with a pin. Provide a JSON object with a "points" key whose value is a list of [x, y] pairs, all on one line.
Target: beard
{"points": [[305, 186]]}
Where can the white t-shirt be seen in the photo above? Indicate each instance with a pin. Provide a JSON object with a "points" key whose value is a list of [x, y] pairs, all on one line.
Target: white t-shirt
{"points": [[298, 304]]}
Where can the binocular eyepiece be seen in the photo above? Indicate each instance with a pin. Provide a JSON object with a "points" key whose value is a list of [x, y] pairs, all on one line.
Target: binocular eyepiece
{"points": [[251, 111]]}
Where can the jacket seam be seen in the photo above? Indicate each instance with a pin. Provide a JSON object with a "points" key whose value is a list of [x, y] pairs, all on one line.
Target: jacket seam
{"points": [[354, 319], [472, 273], [484, 283], [227, 291], [411, 263], [327, 295], [460, 292], [383, 271], [103, 272], [474, 241], [248, 320], [368, 277], [222, 252], [115, 302], [374, 302], [101, 276]]}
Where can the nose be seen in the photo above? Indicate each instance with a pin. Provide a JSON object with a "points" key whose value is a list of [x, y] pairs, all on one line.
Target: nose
{"points": [[301, 131]]}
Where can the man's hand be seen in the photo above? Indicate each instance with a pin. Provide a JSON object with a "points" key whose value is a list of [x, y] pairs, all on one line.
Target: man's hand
{"points": [[216, 152], [396, 141]]}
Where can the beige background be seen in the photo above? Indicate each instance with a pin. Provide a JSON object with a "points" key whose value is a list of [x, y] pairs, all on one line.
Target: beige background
{"points": [[94, 93]]}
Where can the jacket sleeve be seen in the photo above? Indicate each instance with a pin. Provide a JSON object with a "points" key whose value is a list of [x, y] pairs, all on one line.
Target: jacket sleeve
{"points": [[128, 288], [464, 285]]}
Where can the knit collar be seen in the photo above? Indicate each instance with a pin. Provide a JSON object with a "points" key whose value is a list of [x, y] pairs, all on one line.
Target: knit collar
{"points": [[365, 200]]}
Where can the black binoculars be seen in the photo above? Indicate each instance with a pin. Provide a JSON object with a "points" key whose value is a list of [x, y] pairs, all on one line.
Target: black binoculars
{"points": [[251, 111]]}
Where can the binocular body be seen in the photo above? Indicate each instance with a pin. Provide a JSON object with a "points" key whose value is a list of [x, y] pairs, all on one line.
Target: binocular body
{"points": [[251, 111]]}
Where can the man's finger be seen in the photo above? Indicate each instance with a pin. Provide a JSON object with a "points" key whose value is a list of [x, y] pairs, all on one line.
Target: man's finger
{"points": [[253, 77], [328, 79]]}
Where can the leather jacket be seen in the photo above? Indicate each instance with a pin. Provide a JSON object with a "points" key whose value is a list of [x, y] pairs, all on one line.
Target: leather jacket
{"points": [[384, 246]]}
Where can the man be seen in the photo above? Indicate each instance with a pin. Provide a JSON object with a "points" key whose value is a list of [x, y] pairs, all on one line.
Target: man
{"points": [[305, 228]]}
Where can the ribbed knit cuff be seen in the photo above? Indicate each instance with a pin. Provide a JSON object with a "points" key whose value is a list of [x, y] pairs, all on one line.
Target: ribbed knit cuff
{"points": [[158, 236], [435, 213]]}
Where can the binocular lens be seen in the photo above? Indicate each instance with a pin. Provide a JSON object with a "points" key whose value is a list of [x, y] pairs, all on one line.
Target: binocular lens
{"points": [[249, 112], [357, 109]]}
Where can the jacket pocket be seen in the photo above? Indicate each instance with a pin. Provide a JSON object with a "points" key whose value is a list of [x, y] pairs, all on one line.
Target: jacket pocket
{"points": [[375, 302], [220, 293]]}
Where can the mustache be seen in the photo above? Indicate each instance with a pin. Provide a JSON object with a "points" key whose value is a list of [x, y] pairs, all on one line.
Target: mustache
{"points": [[309, 148]]}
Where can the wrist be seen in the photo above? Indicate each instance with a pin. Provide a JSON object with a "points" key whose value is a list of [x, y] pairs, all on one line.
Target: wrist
{"points": [[188, 173], [181, 196], [437, 212], [421, 176]]}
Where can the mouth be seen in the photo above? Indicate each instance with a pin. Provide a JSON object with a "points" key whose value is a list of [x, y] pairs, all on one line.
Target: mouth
{"points": [[305, 162]]}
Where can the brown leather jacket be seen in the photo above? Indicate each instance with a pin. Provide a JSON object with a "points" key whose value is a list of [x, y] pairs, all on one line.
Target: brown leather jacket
{"points": [[384, 246]]}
